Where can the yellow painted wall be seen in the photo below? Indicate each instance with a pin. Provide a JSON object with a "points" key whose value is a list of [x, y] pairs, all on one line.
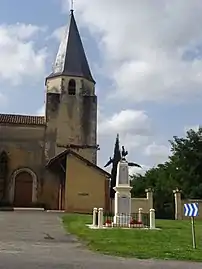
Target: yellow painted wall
{"points": [[50, 194], [85, 186], [137, 203]]}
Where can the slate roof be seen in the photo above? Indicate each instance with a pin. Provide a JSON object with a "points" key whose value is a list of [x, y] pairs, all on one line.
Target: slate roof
{"points": [[21, 119], [71, 59]]}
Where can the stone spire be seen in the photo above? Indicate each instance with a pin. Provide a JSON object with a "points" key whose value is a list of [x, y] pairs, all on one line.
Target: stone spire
{"points": [[71, 59]]}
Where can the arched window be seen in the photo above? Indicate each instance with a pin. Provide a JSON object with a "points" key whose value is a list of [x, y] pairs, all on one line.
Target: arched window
{"points": [[72, 87]]}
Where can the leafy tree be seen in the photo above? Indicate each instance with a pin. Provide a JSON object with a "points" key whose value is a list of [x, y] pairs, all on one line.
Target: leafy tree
{"points": [[183, 170], [139, 184], [187, 159]]}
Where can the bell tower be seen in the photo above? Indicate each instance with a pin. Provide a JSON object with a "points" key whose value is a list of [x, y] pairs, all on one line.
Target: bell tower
{"points": [[71, 103]]}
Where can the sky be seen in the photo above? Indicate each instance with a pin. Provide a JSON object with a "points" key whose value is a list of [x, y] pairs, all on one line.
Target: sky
{"points": [[146, 58]]}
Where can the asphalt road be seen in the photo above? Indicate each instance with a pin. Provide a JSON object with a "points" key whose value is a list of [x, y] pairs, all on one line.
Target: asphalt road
{"points": [[37, 240]]}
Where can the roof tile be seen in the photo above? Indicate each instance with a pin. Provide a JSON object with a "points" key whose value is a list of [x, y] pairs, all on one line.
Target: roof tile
{"points": [[21, 119]]}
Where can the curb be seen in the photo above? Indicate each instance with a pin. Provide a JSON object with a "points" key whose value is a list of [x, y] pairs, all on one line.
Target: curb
{"points": [[55, 211], [28, 209], [3, 209]]}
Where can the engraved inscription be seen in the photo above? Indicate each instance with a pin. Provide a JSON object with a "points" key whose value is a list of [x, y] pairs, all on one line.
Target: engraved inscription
{"points": [[124, 205], [123, 174]]}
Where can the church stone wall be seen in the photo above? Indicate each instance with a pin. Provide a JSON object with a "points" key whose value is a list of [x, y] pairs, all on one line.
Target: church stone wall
{"points": [[52, 108], [77, 117], [24, 146]]}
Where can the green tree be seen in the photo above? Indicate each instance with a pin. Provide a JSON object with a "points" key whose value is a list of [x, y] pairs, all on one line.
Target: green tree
{"points": [[183, 170], [139, 184], [159, 179], [187, 159]]}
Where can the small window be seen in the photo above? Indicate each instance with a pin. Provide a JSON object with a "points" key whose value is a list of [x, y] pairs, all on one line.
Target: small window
{"points": [[3, 164], [3, 157], [72, 87]]}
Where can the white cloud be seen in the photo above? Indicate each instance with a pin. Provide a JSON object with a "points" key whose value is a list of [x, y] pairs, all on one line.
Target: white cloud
{"points": [[137, 170], [20, 30], [144, 46], [131, 140], [158, 153], [133, 126], [41, 111], [3, 100], [126, 121], [19, 57], [58, 33]]}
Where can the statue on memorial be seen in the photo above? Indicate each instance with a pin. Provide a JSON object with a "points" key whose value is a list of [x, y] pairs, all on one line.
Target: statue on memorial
{"points": [[109, 162], [118, 156], [124, 153]]}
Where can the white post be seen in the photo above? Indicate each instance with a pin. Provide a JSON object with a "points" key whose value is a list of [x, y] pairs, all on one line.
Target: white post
{"points": [[149, 193], [94, 216], [140, 214], [152, 219], [178, 204], [100, 218]]}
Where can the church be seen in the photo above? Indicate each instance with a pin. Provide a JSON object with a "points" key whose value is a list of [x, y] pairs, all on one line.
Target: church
{"points": [[51, 161]]}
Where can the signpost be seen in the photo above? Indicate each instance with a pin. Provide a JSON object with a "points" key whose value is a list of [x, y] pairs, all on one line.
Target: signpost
{"points": [[192, 210]]}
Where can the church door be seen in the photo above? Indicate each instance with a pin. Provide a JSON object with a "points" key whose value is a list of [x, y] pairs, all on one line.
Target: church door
{"points": [[23, 190]]}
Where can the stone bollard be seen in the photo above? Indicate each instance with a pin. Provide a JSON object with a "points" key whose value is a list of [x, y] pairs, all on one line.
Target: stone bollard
{"points": [[152, 218], [95, 217], [100, 218], [140, 214]]}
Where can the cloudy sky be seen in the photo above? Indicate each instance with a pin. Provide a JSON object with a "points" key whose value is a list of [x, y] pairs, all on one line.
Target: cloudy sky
{"points": [[145, 56]]}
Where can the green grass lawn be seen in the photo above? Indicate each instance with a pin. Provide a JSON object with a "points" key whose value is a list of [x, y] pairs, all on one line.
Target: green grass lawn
{"points": [[173, 241]]}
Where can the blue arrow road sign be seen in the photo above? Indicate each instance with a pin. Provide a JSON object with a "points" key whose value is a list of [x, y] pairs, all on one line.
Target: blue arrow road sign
{"points": [[191, 210]]}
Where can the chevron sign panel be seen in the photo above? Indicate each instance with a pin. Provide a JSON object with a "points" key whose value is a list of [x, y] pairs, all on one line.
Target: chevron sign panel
{"points": [[191, 210]]}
